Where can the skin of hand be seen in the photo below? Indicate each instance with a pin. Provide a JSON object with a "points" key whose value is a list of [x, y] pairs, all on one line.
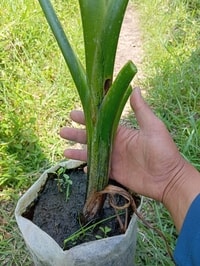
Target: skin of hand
{"points": [[145, 160]]}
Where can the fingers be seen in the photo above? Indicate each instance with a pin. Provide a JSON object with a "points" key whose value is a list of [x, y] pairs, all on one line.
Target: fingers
{"points": [[145, 117], [73, 134], [76, 154], [78, 117], [77, 135]]}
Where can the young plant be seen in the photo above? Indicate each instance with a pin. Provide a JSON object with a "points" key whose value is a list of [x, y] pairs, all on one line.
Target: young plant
{"points": [[64, 182], [88, 229], [104, 230], [102, 98]]}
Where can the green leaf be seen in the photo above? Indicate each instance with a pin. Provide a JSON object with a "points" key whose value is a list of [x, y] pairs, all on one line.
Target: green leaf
{"points": [[111, 31], [113, 103], [101, 27], [74, 65]]}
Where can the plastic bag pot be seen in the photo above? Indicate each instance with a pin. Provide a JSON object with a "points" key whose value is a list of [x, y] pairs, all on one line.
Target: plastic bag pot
{"points": [[117, 250]]}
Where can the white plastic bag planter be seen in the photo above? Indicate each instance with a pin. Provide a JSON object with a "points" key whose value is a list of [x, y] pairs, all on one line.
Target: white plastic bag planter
{"points": [[117, 250]]}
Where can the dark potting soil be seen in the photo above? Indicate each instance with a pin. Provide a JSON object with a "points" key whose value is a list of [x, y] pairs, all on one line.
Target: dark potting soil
{"points": [[59, 217]]}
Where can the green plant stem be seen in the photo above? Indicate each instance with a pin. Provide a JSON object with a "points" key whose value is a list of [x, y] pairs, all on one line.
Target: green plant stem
{"points": [[100, 144], [102, 101]]}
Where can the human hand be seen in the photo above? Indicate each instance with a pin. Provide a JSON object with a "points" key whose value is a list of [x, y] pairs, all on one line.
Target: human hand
{"points": [[145, 160]]}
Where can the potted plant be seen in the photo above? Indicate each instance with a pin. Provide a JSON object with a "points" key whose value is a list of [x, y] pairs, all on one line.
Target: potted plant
{"points": [[103, 101]]}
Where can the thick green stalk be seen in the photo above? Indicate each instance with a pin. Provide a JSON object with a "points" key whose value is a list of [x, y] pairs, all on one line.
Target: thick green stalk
{"points": [[101, 27], [106, 125]]}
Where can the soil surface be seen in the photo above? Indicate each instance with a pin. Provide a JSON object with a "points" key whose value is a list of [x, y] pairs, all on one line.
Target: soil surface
{"points": [[60, 217]]}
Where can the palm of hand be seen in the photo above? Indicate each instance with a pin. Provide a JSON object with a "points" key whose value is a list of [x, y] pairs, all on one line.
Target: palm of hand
{"points": [[144, 161]]}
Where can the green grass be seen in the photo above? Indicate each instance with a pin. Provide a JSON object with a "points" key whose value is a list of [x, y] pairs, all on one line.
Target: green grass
{"points": [[172, 67], [171, 38], [12, 248], [37, 94]]}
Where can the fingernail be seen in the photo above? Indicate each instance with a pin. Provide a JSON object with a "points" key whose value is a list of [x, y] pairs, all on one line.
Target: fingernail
{"points": [[137, 89]]}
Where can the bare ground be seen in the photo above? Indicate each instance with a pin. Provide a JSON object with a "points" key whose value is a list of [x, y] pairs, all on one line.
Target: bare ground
{"points": [[130, 47]]}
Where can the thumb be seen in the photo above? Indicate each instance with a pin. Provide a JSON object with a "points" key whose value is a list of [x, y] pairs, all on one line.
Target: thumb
{"points": [[145, 117]]}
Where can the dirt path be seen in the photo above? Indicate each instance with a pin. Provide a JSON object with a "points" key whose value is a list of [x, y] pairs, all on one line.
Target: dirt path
{"points": [[130, 46]]}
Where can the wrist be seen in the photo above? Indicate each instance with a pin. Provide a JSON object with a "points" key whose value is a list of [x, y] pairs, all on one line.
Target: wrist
{"points": [[181, 191]]}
